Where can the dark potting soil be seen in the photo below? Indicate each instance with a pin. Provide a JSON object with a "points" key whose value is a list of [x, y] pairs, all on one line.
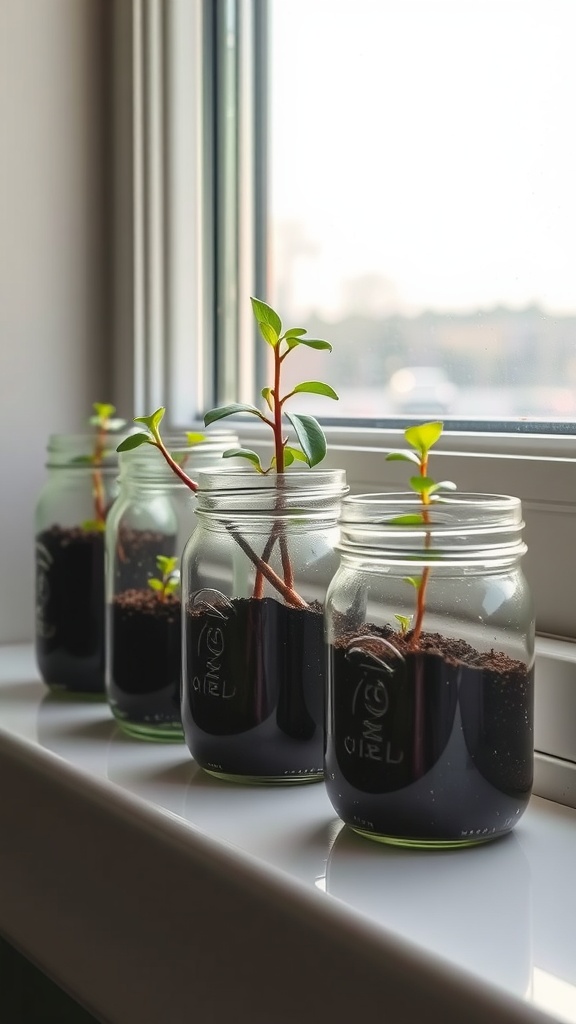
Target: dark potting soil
{"points": [[70, 609], [145, 659], [434, 743], [253, 699], [136, 554]]}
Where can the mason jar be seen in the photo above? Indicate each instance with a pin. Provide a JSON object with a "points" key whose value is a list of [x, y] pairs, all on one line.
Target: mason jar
{"points": [[430, 631], [146, 531], [69, 563], [254, 579]]}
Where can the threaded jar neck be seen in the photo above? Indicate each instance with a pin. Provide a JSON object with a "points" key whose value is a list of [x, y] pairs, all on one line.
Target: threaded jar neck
{"points": [[79, 451], [457, 530], [241, 492]]}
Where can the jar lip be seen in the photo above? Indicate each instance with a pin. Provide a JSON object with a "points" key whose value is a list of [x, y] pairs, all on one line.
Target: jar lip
{"points": [[369, 507], [75, 451]]}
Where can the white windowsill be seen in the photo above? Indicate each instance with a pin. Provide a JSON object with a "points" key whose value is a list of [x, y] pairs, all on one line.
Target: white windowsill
{"points": [[151, 892]]}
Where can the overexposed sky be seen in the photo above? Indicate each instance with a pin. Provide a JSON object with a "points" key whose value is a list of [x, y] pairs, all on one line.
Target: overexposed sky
{"points": [[428, 143]]}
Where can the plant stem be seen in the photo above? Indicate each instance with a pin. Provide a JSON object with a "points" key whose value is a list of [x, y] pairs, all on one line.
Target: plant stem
{"points": [[421, 599], [288, 593], [285, 589], [98, 493]]}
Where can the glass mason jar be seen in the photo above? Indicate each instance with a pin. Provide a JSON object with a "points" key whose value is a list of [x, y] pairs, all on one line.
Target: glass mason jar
{"points": [[430, 631], [69, 527], [254, 578], [146, 531]]}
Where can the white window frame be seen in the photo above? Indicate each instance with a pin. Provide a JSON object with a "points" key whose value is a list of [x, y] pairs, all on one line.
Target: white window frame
{"points": [[165, 324]]}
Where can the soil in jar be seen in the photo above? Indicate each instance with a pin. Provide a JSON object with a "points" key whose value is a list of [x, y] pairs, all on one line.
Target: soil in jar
{"points": [[145, 661], [253, 698], [427, 745], [70, 609]]}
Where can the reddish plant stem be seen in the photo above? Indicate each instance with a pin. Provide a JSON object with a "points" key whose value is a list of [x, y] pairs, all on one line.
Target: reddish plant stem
{"points": [[288, 593], [421, 599], [98, 493]]}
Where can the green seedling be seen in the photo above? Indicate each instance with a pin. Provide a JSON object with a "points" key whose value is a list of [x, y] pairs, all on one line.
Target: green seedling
{"points": [[308, 447], [169, 579], [421, 439], [105, 423]]}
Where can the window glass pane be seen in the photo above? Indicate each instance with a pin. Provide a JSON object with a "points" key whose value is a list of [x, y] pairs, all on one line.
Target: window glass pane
{"points": [[423, 203]]}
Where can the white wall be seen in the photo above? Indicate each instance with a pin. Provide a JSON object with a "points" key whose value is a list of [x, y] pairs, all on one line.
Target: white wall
{"points": [[54, 305]]}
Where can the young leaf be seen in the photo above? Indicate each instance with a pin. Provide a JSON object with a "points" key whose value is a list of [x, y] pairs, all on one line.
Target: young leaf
{"points": [[404, 621], [295, 332], [410, 520], [267, 396], [443, 485], [315, 387], [133, 441], [423, 436], [194, 438], [309, 342], [403, 457], [414, 581], [153, 421], [94, 525], [295, 453], [422, 484], [244, 453], [230, 410], [156, 584], [103, 411], [264, 314], [310, 436], [166, 564], [171, 585], [82, 460], [269, 334]]}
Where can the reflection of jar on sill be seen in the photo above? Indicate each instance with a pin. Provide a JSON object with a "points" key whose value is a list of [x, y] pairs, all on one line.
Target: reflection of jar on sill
{"points": [[69, 528], [151, 521]]}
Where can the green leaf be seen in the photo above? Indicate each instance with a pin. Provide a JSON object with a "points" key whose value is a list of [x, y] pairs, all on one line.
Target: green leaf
{"points": [[310, 343], [310, 436], [316, 387], [264, 314], [171, 586], [403, 457], [269, 334], [193, 437], [404, 621], [94, 525], [133, 441], [288, 457], [244, 453], [422, 484], [82, 460], [297, 455], [156, 584], [153, 421], [295, 332], [103, 411], [229, 410], [443, 485], [166, 564], [415, 519], [414, 581], [267, 396], [423, 436]]}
